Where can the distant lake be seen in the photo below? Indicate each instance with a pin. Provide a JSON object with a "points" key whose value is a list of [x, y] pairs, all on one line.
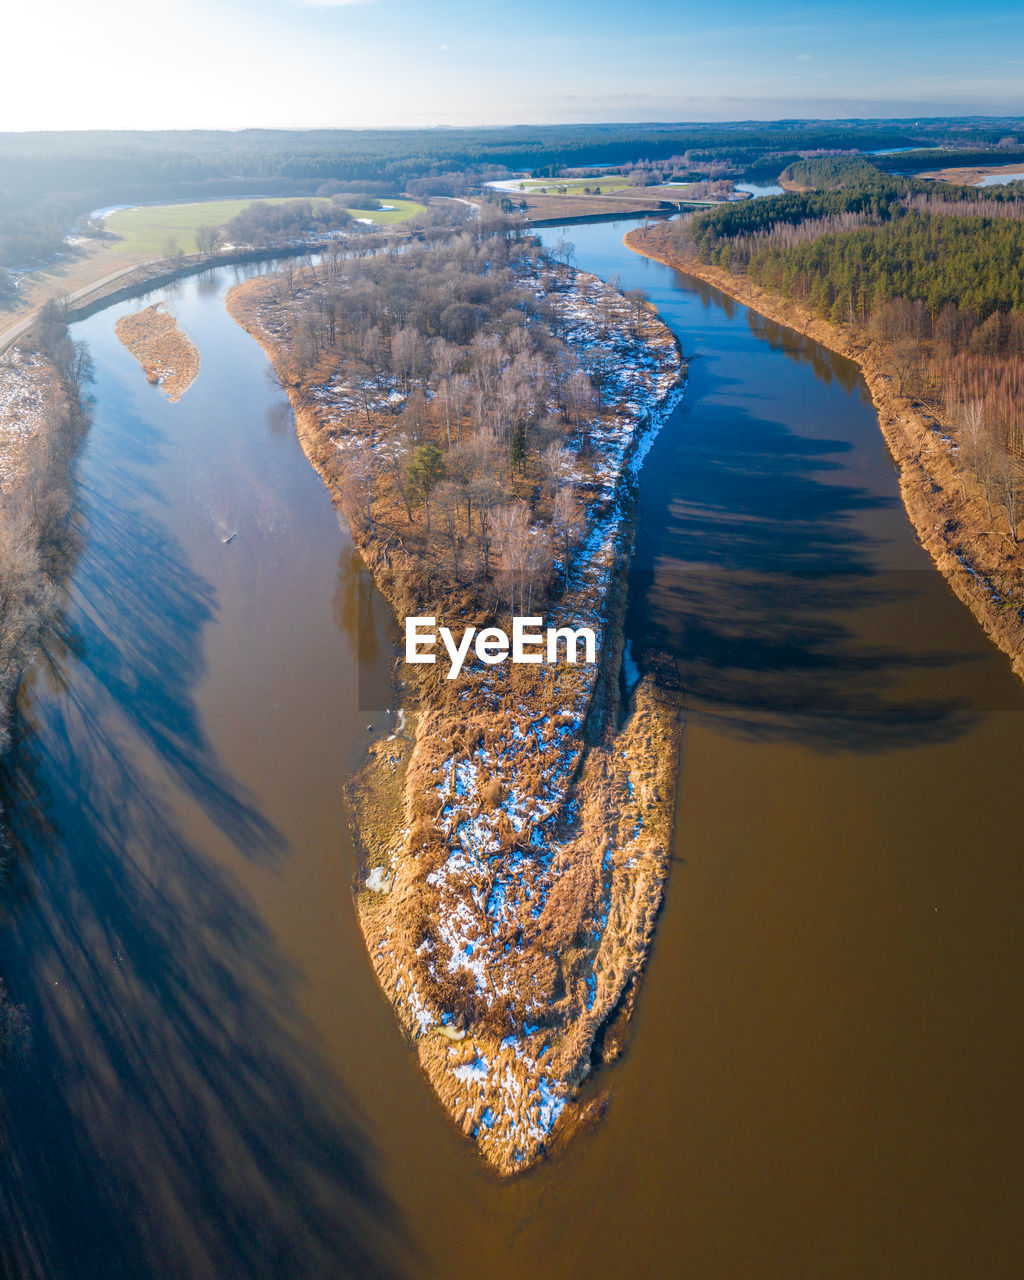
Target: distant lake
{"points": [[764, 189], [1000, 179]]}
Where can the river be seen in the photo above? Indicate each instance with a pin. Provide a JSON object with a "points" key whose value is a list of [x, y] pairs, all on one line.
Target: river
{"points": [[823, 1078]]}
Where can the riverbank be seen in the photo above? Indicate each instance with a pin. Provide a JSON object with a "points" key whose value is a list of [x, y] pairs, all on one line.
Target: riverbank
{"points": [[945, 504], [134, 279], [972, 175], [72, 275], [28, 386], [515, 844], [42, 424], [167, 357]]}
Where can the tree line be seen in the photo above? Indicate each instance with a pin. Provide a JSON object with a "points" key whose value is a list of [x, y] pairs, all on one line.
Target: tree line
{"points": [[859, 238], [49, 179]]}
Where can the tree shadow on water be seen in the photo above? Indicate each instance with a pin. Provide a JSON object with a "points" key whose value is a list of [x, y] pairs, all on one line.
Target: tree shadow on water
{"points": [[828, 366], [755, 577], [139, 627], [171, 1118]]}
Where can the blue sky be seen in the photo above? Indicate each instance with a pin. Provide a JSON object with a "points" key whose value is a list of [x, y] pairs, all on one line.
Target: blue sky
{"points": [[355, 63]]}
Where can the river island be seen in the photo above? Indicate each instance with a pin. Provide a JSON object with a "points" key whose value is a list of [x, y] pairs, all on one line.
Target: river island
{"points": [[168, 358], [481, 418]]}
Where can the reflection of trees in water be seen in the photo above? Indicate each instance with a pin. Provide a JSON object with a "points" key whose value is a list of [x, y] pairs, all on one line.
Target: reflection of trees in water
{"points": [[278, 417], [172, 1119], [363, 613], [762, 588], [827, 365]]}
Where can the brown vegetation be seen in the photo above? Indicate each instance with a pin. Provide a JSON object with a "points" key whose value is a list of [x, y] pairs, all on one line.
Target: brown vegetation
{"points": [[466, 403], [948, 399], [167, 357], [973, 174]]}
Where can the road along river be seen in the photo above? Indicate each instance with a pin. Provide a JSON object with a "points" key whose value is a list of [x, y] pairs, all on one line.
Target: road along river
{"points": [[823, 1077]]}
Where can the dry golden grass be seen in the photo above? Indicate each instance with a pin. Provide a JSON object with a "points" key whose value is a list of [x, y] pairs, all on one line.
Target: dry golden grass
{"points": [[167, 357]]}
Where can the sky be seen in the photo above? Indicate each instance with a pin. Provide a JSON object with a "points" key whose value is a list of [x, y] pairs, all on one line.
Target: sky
{"points": [[136, 64]]}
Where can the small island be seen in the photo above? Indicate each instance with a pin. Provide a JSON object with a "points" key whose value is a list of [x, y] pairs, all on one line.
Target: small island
{"points": [[167, 357]]}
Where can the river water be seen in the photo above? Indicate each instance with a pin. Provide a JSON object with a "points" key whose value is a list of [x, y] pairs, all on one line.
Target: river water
{"points": [[823, 1078]]}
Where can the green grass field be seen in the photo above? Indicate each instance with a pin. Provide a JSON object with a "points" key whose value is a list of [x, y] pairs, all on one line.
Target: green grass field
{"points": [[146, 230], [387, 217]]}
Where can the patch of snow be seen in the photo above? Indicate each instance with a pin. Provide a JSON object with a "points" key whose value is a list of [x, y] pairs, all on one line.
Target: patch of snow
{"points": [[377, 880]]}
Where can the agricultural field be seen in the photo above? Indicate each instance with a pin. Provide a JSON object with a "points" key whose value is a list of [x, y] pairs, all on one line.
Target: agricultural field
{"points": [[146, 229], [398, 211]]}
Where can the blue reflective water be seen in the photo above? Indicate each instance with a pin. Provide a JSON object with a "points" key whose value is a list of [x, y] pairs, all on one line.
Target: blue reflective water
{"points": [[1000, 179]]}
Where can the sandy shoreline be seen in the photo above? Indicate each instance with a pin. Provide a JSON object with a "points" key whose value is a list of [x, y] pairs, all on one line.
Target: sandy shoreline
{"points": [[945, 505]]}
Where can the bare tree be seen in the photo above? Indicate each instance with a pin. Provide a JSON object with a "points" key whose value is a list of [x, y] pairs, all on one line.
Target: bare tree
{"points": [[1009, 486], [638, 300], [173, 251], [555, 462], [359, 476], [408, 355], [447, 497], [395, 464], [511, 526], [567, 525], [413, 419], [580, 405], [976, 448], [209, 239], [485, 496], [564, 252], [536, 567]]}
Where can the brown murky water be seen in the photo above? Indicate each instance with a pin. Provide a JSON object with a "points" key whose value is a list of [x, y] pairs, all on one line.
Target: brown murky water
{"points": [[823, 1079]]}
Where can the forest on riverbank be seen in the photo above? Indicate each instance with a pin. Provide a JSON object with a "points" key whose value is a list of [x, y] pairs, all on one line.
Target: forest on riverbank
{"points": [[931, 272]]}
